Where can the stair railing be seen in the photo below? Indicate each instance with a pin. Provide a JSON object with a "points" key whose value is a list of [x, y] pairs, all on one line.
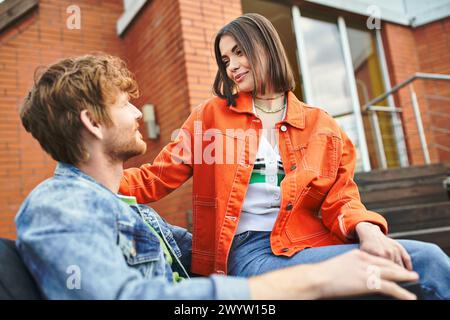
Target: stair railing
{"points": [[372, 108]]}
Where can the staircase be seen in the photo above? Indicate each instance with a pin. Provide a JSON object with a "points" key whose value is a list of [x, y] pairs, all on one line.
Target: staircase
{"points": [[413, 200]]}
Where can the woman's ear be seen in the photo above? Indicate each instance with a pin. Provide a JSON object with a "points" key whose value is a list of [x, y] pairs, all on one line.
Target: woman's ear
{"points": [[90, 124]]}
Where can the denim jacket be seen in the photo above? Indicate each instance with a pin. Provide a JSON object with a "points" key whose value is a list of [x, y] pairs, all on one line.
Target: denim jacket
{"points": [[80, 241]]}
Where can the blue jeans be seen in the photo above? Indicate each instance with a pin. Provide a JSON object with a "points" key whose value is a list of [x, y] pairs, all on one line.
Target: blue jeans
{"points": [[251, 255]]}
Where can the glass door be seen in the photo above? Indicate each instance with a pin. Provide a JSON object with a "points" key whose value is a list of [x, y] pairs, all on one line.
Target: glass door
{"points": [[369, 81], [330, 84]]}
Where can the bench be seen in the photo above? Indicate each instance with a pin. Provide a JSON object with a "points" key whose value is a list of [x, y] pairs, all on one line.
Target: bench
{"points": [[16, 283]]}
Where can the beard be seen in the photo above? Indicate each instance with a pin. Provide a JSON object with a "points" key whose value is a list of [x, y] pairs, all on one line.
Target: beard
{"points": [[120, 148]]}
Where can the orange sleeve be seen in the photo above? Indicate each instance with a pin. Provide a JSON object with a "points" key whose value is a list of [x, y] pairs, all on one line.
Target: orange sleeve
{"points": [[171, 168], [342, 208]]}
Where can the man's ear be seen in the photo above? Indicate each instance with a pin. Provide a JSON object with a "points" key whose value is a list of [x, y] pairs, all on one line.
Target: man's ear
{"points": [[90, 124]]}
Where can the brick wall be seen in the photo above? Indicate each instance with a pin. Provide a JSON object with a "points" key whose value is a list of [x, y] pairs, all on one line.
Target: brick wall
{"points": [[200, 20], [424, 49], [433, 50], [170, 47], [40, 38]]}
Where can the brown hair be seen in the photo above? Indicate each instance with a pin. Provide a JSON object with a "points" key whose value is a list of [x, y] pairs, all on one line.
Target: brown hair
{"points": [[253, 33], [51, 112]]}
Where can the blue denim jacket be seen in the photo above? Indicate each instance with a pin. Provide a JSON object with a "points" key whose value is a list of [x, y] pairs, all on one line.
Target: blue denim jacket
{"points": [[80, 241]]}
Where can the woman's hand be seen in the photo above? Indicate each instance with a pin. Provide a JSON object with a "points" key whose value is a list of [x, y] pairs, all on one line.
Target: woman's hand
{"points": [[373, 241]]}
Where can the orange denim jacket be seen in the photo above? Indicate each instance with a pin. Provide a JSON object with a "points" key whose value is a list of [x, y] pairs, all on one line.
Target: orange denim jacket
{"points": [[320, 202]]}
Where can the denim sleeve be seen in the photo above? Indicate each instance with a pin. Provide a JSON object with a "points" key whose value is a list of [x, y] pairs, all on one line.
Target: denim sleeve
{"points": [[69, 245]]}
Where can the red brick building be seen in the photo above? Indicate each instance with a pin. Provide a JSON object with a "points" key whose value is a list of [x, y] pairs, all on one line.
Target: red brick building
{"points": [[168, 45]]}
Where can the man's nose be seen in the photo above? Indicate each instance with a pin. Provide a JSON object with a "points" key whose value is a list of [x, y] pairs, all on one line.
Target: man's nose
{"points": [[138, 113]]}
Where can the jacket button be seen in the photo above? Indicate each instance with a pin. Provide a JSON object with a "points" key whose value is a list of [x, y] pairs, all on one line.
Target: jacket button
{"points": [[285, 250], [293, 167], [289, 206], [283, 128]]}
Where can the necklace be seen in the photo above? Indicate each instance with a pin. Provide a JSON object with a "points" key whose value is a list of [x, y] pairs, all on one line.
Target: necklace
{"points": [[263, 109], [273, 98]]}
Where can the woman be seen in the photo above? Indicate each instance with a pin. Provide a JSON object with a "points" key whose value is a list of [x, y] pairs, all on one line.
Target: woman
{"points": [[272, 177]]}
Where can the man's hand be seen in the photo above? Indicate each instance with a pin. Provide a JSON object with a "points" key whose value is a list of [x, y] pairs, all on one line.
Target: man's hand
{"points": [[373, 241], [350, 274]]}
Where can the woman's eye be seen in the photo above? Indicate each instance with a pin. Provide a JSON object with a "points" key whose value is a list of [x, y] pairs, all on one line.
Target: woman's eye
{"points": [[226, 63], [239, 52]]}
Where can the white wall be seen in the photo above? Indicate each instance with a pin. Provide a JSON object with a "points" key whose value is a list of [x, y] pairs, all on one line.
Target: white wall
{"points": [[406, 12]]}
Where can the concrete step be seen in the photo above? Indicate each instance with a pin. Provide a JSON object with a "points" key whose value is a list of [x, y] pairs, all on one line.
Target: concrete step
{"points": [[413, 200], [413, 172], [416, 217], [423, 222], [403, 186], [394, 195]]}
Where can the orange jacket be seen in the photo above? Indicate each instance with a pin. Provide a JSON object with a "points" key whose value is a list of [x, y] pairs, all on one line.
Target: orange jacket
{"points": [[320, 203]]}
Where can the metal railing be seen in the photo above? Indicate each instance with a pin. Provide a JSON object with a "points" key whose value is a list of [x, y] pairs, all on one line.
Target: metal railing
{"points": [[371, 108]]}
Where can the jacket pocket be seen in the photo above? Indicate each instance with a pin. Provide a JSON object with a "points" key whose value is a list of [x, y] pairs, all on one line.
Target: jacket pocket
{"points": [[138, 244], [312, 200], [204, 225], [221, 147], [320, 155], [305, 222]]}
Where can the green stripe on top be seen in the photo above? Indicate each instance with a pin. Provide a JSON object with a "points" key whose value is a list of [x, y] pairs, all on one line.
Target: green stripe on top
{"points": [[280, 178], [261, 178], [257, 178]]}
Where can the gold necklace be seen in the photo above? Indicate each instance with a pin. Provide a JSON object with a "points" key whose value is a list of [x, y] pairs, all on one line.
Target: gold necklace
{"points": [[268, 110], [273, 98]]}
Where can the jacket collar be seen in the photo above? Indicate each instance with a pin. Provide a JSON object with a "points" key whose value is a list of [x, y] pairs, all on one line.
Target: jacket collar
{"points": [[68, 170], [295, 114], [65, 169]]}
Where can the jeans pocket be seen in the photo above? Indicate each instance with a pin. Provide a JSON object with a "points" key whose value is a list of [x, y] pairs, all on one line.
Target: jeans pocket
{"points": [[240, 239]]}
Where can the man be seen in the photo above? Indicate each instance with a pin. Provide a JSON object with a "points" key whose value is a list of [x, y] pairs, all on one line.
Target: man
{"points": [[81, 240]]}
